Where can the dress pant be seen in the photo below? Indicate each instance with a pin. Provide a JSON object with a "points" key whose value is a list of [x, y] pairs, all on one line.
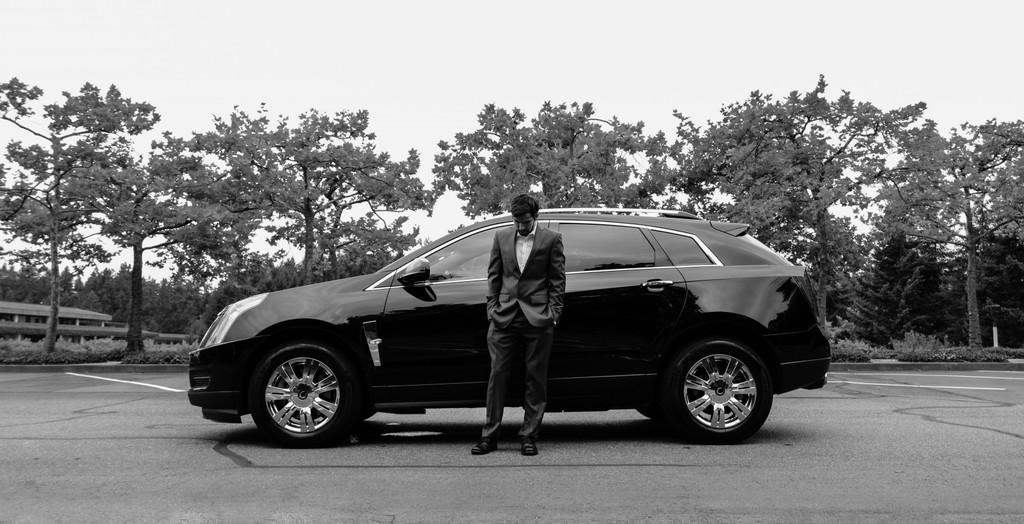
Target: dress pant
{"points": [[505, 344]]}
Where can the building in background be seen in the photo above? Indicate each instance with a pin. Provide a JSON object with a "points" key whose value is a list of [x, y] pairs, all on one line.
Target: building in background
{"points": [[28, 322]]}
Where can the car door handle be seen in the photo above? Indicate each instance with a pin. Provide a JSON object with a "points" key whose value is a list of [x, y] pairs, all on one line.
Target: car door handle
{"points": [[656, 285]]}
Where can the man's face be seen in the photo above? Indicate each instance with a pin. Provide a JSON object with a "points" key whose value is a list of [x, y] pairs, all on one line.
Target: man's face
{"points": [[524, 223]]}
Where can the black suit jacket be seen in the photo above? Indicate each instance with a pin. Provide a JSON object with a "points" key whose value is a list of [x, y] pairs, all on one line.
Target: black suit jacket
{"points": [[539, 290]]}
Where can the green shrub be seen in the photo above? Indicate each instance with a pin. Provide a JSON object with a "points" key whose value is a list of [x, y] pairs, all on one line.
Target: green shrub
{"points": [[18, 345], [955, 354], [841, 329], [882, 352], [103, 345], [160, 356], [851, 351], [916, 342], [93, 351], [35, 356], [1013, 352], [150, 345], [916, 347]]}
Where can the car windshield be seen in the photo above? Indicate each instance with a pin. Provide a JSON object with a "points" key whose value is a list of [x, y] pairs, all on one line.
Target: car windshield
{"points": [[419, 251], [408, 257], [395, 264]]}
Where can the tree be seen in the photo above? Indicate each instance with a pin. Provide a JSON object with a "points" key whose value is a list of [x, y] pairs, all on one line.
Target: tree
{"points": [[960, 191], [138, 212], [565, 154], [23, 284], [901, 291], [45, 201], [1000, 281], [109, 292], [314, 178], [152, 205], [177, 308], [786, 166]]}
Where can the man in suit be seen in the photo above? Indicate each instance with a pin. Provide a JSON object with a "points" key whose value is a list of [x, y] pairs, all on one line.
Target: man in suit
{"points": [[525, 292]]}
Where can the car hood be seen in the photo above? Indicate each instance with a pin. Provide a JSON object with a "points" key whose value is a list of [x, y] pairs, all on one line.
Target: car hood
{"points": [[335, 302], [331, 287]]}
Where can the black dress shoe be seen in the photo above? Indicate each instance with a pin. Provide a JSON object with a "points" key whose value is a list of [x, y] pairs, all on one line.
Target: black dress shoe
{"points": [[485, 446], [528, 446]]}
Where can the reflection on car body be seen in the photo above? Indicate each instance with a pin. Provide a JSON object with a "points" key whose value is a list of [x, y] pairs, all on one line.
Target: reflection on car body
{"points": [[683, 319]]}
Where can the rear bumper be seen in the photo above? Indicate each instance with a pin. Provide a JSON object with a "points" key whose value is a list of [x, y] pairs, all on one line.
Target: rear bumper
{"points": [[804, 359], [809, 374], [817, 385]]}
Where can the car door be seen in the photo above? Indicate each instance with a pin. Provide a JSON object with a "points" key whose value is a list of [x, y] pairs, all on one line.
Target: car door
{"points": [[434, 334], [623, 297]]}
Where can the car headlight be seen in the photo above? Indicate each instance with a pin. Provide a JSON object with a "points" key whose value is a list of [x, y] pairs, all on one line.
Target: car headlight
{"points": [[215, 335]]}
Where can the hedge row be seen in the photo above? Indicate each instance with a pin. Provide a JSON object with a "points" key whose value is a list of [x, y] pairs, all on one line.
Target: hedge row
{"points": [[92, 352], [860, 351]]}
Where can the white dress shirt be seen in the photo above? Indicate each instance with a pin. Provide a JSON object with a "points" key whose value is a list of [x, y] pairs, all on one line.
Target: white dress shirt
{"points": [[524, 245]]}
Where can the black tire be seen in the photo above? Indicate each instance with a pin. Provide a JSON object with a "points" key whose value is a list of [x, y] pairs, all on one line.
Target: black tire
{"points": [[728, 395], [303, 394]]}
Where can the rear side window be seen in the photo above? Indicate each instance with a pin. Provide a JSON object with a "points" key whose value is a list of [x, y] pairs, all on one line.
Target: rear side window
{"points": [[596, 247], [682, 250]]}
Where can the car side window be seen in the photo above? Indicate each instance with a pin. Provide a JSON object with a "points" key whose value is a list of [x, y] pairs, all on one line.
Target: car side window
{"points": [[681, 249], [462, 260], [595, 247]]}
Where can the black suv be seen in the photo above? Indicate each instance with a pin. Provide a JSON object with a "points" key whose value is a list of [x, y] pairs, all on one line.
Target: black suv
{"points": [[683, 319]]}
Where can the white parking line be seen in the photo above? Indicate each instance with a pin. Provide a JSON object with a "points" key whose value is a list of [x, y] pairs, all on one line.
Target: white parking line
{"points": [[912, 385], [928, 375], [129, 382]]}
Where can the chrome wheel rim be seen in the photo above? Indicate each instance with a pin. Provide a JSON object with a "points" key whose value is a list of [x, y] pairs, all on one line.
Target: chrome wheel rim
{"points": [[302, 395], [719, 392]]}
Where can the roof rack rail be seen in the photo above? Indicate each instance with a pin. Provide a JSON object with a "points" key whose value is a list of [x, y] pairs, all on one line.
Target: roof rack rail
{"points": [[675, 213]]}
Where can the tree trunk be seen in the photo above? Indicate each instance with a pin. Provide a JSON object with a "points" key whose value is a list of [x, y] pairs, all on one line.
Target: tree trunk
{"points": [[134, 336], [823, 268], [822, 299], [333, 262], [309, 246], [50, 343], [973, 316]]}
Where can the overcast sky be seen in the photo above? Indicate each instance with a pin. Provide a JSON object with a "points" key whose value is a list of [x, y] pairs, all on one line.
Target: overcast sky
{"points": [[425, 69]]}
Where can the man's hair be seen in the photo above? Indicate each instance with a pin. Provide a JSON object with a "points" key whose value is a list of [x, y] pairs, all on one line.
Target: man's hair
{"points": [[524, 204]]}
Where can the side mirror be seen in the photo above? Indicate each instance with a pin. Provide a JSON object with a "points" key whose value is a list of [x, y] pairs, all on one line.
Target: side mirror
{"points": [[416, 271]]}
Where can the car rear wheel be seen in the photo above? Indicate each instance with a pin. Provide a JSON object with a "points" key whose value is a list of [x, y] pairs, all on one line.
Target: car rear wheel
{"points": [[716, 391], [303, 394]]}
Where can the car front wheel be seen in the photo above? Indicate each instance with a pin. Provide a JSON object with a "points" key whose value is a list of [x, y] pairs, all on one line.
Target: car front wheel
{"points": [[303, 394], [716, 391]]}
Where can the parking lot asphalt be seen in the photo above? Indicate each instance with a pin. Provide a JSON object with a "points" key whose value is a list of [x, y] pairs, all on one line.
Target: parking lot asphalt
{"points": [[868, 447]]}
